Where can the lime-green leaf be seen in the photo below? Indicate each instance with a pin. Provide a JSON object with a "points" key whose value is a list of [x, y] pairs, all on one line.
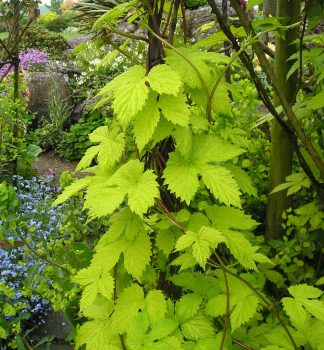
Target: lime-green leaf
{"points": [[229, 218], [175, 109], [183, 137], [109, 151], [188, 306], [146, 121], [209, 148], [163, 130], [166, 239], [128, 304], [197, 327], [317, 101], [87, 158], [162, 329], [181, 176], [130, 179], [242, 249], [101, 308], [136, 251], [220, 182], [216, 306], [320, 281], [278, 336], [295, 307], [198, 284], [95, 334], [253, 3], [164, 80], [136, 331], [96, 279], [131, 96], [186, 260], [137, 254], [294, 183], [155, 305], [73, 189], [243, 179], [181, 172], [124, 221], [138, 339], [244, 310], [198, 123], [3, 333]]}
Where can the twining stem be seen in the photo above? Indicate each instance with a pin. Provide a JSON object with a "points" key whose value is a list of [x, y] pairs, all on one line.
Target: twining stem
{"points": [[300, 60], [227, 299], [156, 27], [128, 35], [184, 22], [123, 52], [269, 305], [210, 96], [168, 19], [115, 297], [166, 212], [240, 344]]}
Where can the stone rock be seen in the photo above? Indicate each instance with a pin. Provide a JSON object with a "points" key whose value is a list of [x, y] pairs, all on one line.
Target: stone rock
{"points": [[203, 15], [39, 84], [61, 67], [80, 110], [132, 28], [56, 324], [67, 52]]}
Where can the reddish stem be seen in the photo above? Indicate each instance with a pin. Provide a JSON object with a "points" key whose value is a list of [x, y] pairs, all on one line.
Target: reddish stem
{"points": [[168, 19]]}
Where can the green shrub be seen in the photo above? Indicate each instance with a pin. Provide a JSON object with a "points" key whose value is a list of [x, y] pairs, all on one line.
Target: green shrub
{"points": [[194, 4], [46, 18], [75, 142], [39, 38], [69, 17], [57, 25]]}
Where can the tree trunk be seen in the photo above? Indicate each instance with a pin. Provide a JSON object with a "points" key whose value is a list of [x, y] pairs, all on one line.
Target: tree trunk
{"points": [[174, 19], [281, 149], [265, 37], [273, 7]]}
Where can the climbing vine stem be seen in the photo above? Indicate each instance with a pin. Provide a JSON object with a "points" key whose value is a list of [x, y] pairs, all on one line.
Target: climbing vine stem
{"points": [[270, 306]]}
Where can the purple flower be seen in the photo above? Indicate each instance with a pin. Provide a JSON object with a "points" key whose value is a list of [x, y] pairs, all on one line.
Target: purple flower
{"points": [[78, 90], [76, 41], [72, 80]]}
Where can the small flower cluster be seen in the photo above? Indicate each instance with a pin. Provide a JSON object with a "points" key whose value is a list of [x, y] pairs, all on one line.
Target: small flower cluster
{"points": [[87, 58], [71, 30], [31, 60], [77, 41], [36, 198], [256, 59]]}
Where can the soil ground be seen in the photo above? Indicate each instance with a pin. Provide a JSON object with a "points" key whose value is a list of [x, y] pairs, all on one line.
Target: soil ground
{"points": [[51, 162]]}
